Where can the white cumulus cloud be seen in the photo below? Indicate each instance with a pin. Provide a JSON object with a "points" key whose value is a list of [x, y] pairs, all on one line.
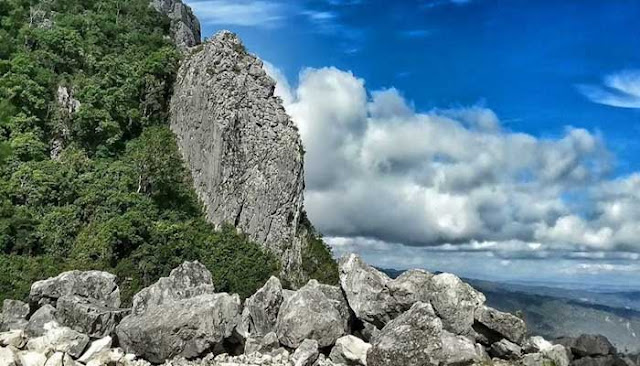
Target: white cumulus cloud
{"points": [[380, 172]]}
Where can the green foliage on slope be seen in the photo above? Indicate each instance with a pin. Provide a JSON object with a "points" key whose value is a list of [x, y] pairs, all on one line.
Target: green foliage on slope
{"points": [[99, 186], [317, 259]]}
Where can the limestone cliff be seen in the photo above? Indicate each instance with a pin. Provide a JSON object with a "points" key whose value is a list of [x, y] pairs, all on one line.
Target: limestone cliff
{"points": [[185, 27], [243, 150]]}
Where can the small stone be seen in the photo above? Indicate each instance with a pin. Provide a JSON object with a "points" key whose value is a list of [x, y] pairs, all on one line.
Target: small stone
{"points": [[306, 354], [15, 338], [350, 350], [96, 348]]}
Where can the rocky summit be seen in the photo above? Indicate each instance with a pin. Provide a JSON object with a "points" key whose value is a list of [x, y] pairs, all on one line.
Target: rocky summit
{"points": [[244, 152], [418, 319]]}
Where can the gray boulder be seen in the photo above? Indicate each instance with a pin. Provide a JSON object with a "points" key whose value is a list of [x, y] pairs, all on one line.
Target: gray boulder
{"points": [[306, 354], [367, 291], [14, 315], [59, 339], [260, 311], [313, 312], [506, 350], [458, 350], [95, 285], [376, 299], [607, 360], [412, 339], [261, 344], [244, 152], [535, 344], [190, 279], [97, 347], [8, 357], [455, 302], [31, 358], [350, 350], [185, 27], [42, 316], [185, 328], [88, 316], [14, 338], [366, 332], [558, 354], [504, 324], [410, 287], [588, 345]]}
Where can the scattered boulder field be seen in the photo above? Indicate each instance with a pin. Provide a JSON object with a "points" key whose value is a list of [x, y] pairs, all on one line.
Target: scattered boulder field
{"points": [[417, 319]]}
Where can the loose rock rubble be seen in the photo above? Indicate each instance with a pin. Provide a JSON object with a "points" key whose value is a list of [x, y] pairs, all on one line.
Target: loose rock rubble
{"points": [[418, 319]]}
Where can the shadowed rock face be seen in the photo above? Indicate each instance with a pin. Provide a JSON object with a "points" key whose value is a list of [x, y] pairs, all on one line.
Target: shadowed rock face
{"points": [[243, 151]]}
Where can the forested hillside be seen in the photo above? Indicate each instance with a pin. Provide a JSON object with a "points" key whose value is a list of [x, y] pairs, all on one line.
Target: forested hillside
{"points": [[90, 175]]}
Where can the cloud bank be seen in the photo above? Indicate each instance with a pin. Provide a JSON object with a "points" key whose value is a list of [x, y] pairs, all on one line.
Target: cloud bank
{"points": [[378, 171]]}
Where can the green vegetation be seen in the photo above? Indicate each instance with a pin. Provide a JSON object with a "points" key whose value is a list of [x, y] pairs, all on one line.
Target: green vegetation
{"points": [[101, 186], [317, 260]]}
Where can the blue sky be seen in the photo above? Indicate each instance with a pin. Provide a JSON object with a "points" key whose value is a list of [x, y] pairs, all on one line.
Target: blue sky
{"points": [[550, 88]]}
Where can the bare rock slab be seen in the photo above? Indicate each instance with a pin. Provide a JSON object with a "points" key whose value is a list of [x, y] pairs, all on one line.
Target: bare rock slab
{"points": [[186, 328]]}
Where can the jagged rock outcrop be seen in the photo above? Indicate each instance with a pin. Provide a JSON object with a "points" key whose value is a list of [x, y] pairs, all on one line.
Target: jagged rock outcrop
{"points": [[260, 311], [243, 151], [185, 27]]}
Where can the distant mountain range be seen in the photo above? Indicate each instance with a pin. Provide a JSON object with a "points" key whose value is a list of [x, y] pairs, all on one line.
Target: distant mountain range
{"points": [[553, 312]]}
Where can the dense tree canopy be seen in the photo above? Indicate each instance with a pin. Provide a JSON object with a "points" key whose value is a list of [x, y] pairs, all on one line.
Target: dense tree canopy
{"points": [[90, 175]]}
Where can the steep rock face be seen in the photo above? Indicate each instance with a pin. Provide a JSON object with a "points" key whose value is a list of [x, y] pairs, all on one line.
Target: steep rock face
{"points": [[243, 151], [185, 27]]}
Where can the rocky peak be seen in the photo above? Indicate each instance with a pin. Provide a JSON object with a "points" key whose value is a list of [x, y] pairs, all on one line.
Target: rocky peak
{"points": [[243, 150], [185, 27]]}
